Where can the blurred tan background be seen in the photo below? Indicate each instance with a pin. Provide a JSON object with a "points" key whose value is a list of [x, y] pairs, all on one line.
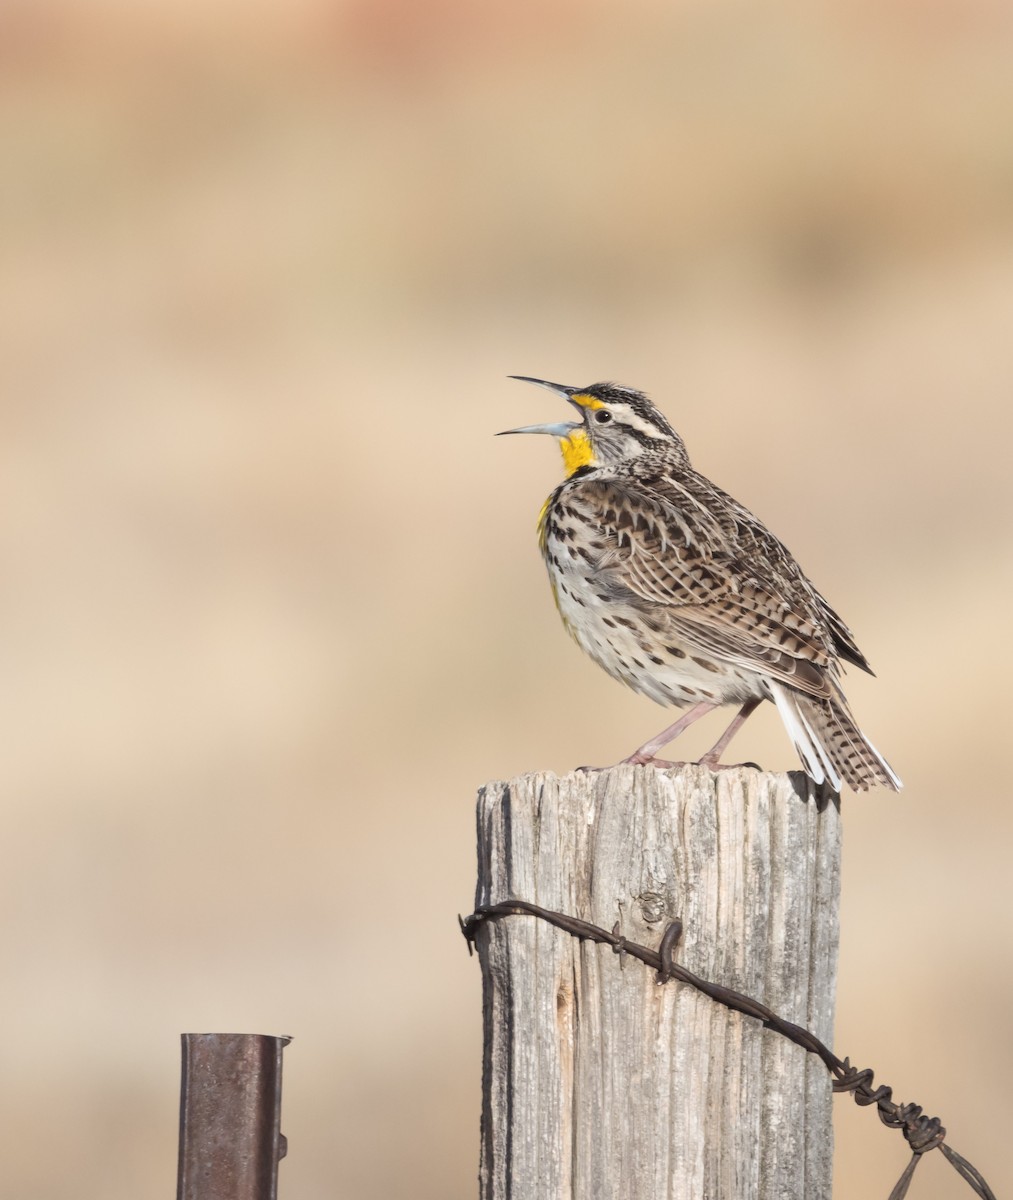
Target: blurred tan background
{"points": [[272, 606]]}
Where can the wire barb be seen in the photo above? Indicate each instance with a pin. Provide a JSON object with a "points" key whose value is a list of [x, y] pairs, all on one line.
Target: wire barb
{"points": [[922, 1133]]}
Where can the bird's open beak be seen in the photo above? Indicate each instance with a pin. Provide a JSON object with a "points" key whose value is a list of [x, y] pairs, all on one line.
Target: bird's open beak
{"points": [[560, 429]]}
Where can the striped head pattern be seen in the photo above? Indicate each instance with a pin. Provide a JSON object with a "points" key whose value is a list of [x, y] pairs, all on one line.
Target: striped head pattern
{"points": [[616, 423]]}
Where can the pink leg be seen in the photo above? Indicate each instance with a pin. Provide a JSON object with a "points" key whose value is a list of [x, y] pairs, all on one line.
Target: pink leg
{"points": [[713, 756], [648, 750]]}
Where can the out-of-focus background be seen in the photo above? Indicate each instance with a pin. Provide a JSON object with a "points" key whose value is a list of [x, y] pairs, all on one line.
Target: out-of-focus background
{"points": [[272, 606]]}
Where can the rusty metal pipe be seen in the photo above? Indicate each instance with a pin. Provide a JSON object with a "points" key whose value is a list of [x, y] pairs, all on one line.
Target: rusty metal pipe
{"points": [[230, 1141]]}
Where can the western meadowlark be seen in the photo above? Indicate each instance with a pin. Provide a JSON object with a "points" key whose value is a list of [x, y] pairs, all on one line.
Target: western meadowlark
{"points": [[680, 592]]}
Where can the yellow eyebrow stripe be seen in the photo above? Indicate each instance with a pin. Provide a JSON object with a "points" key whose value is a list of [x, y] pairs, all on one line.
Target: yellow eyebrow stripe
{"points": [[586, 401]]}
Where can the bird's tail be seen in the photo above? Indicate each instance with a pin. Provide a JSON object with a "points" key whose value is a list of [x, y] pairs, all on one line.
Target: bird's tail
{"points": [[829, 743]]}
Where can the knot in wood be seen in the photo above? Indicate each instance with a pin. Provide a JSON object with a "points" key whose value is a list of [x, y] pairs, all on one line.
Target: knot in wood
{"points": [[652, 906]]}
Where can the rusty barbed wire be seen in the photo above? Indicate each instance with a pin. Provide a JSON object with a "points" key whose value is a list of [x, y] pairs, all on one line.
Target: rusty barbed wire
{"points": [[921, 1133]]}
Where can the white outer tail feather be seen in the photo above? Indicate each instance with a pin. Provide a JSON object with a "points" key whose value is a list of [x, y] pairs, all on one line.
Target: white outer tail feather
{"points": [[818, 752], [810, 750]]}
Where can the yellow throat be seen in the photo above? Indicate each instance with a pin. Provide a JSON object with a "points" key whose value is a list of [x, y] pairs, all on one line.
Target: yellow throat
{"points": [[577, 453]]}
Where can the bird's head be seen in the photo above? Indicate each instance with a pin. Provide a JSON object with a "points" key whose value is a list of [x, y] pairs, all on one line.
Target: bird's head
{"points": [[615, 423]]}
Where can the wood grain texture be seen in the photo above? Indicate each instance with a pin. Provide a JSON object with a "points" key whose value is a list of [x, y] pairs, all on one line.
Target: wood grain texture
{"points": [[599, 1083]]}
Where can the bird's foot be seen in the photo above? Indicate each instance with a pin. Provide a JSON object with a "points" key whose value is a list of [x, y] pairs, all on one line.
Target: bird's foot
{"points": [[664, 764], [638, 760], [713, 765], [648, 760]]}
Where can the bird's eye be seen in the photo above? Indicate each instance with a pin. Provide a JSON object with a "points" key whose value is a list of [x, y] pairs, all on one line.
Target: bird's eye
{"points": [[603, 416]]}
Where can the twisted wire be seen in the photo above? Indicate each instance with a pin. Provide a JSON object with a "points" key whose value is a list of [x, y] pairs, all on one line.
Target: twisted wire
{"points": [[922, 1133]]}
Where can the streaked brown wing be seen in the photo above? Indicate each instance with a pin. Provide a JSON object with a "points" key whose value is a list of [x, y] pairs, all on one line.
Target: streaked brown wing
{"points": [[680, 555]]}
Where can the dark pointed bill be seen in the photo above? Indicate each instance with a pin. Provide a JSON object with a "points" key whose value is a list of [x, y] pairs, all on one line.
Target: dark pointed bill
{"points": [[559, 388]]}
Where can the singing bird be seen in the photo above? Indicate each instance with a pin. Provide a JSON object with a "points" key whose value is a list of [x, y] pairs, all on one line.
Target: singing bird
{"points": [[680, 592]]}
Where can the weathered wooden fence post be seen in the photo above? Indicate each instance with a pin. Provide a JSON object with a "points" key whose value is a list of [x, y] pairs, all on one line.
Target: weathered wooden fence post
{"points": [[598, 1082]]}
